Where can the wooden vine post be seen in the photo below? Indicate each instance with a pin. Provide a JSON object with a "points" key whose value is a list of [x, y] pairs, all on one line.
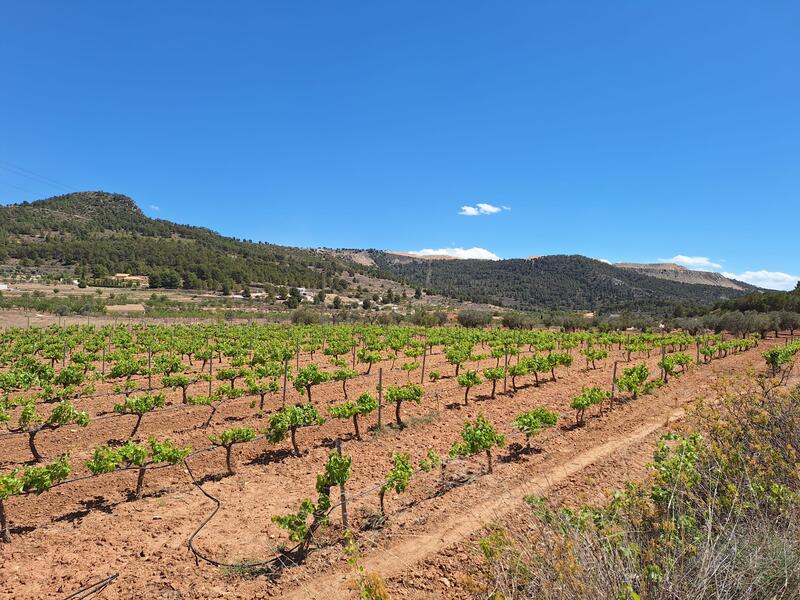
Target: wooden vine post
{"points": [[505, 374], [285, 378], [380, 398], [342, 495], [210, 372], [613, 384]]}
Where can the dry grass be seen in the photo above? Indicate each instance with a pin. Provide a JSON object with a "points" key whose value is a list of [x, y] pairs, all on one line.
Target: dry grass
{"points": [[719, 520]]}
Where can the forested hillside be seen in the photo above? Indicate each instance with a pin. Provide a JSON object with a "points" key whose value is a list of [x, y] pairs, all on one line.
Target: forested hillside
{"points": [[92, 235], [552, 282], [105, 233], [765, 301]]}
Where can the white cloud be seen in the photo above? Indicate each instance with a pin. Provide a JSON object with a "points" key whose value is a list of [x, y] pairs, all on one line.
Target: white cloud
{"points": [[482, 208], [153, 207], [603, 260], [692, 262], [488, 209], [475, 252], [773, 280]]}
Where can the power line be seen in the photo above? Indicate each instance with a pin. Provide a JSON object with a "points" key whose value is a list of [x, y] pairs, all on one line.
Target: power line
{"points": [[34, 176], [20, 188]]}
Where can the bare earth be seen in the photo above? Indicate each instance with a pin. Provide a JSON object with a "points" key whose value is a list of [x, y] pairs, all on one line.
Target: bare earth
{"points": [[84, 531]]}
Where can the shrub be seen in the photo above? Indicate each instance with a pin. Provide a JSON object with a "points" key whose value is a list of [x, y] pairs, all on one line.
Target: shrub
{"points": [[337, 471], [141, 456], [470, 317], [351, 410], [494, 374], [397, 478], [309, 376], [468, 380], [409, 392], [227, 439], [532, 422], [633, 379], [288, 420], [588, 397], [719, 519], [478, 437]]}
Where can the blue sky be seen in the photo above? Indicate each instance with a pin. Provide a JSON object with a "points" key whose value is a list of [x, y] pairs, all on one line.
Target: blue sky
{"points": [[626, 131]]}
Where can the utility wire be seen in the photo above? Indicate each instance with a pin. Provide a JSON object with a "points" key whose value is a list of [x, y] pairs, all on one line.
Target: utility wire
{"points": [[34, 176]]}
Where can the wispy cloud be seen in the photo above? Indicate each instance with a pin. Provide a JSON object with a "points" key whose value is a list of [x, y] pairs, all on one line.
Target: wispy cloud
{"points": [[154, 208], [481, 208], [692, 262], [474, 252], [773, 280]]}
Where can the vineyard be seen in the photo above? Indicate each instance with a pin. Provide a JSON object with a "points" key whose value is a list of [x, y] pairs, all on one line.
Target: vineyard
{"points": [[252, 451]]}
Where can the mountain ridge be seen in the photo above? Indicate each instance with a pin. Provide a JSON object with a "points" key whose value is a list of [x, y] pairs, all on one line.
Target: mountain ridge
{"points": [[95, 234], [680, 273]]}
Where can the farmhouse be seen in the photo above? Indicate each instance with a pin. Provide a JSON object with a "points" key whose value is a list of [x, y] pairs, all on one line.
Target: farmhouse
{"points": [[133, 280], [125, 309]]}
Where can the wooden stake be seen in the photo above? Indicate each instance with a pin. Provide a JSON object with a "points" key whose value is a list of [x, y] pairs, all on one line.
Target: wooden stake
{"points": [[285, 377], [614, 382], [210, 373], [505, 374], [342, 495], [380, 398]]}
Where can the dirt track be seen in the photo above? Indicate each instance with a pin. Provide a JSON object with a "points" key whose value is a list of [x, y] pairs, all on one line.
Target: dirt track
{"points": [[84, 531]]}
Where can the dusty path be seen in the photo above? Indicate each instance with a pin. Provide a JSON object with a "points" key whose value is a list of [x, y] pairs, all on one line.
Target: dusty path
{"points": [[399, 557]]}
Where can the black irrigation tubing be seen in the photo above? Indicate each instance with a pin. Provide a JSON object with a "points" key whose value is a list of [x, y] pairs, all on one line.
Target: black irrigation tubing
{"points": [[114, 393], [92, 589], [94, 475], [137, 390], [113, 415], [277, 560], [142, 378], [445, 462]]}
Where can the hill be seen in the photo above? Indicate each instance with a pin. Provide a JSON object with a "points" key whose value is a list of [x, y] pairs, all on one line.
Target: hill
{"points": [[675, 272], [93, 235], [549, 282], [108, 233]]}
